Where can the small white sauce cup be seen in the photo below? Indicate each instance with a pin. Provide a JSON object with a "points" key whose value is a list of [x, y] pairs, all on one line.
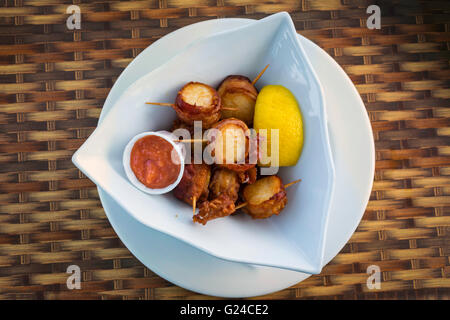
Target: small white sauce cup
{"points": [[178, 147]]}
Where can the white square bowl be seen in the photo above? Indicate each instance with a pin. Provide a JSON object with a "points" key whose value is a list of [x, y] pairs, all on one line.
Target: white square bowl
{"points": [[293, 240]]}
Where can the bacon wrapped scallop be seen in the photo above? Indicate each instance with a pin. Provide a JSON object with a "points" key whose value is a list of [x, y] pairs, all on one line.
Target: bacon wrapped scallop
{"points": [[193, 186], [238, 96], [265, 197], [198, 102], [232, 146]]}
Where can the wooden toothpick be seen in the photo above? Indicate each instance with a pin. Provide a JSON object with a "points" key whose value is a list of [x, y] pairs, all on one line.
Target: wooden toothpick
{"points": [[164, 104], [259, 75], [194, 203]]}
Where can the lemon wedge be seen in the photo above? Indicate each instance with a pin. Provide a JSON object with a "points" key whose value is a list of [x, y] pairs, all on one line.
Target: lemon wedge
{"points": [[277, 108]]}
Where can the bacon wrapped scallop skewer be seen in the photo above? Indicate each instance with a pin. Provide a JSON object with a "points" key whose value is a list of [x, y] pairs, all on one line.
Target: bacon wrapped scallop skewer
{"points": [[193, 185], [238, 95], [237, 92], [233, 134], [198, 102], [265, 197], [223, 192]]}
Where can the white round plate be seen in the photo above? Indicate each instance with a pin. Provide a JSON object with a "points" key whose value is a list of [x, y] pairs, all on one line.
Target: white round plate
{"points": [[353, 155]]}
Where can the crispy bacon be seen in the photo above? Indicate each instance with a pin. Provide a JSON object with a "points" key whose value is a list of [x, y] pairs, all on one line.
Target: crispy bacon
{"points": [[223, 193], [217, 208], [194, 183], [248, 177]]}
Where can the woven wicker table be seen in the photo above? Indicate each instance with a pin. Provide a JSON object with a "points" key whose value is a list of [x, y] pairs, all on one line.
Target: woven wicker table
{"points": [[53, 82]]}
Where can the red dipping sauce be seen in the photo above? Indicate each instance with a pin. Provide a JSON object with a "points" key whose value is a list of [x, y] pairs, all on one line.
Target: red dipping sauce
{"points": [[151, 162]]}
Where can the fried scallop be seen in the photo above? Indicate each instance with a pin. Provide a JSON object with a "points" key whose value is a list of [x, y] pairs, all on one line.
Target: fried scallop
{"points": [[198, 102], [226, 182], [265, 197], [238, 96], [231, 145]]}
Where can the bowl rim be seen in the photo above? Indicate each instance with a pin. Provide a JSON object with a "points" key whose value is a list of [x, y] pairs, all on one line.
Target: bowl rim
{"points": [[310, 265]]}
